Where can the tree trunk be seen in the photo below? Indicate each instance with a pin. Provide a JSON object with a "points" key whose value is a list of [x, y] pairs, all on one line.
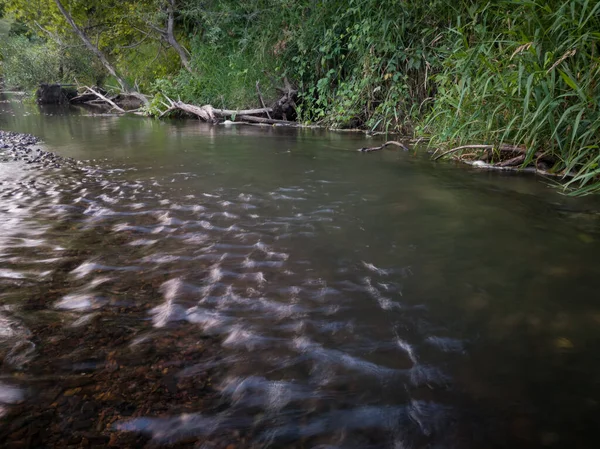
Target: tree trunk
{"points": [[170, 37], [124, 85]]}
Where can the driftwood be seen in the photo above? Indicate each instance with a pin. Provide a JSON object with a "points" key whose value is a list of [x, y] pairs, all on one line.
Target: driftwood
{"points": [[260, 98], [517, 157], [125, 102], [390, 142], [106, 99], [283, 111], [208, 113], [512, 148], [268, 121], [512, 162], [486, 166]]}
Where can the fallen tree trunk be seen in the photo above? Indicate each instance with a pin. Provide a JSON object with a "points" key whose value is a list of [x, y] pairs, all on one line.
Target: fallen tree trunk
{"points": [[208, 113], [268, 121]]}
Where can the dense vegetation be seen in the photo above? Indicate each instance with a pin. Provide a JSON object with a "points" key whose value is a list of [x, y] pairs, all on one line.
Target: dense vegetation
{"points": [[523, 73]]}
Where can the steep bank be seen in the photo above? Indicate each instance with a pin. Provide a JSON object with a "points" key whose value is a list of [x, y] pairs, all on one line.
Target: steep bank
{"points": [[499, 73]]}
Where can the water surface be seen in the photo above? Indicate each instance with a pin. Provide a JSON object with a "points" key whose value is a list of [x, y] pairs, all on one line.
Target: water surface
{"points": [[208, 285]]}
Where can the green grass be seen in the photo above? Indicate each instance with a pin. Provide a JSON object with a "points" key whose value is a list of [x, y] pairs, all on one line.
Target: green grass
{"points": [[525, 73], [4, 27]]}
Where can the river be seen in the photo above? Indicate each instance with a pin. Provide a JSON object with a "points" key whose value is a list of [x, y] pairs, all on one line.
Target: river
{"points": [[238, 286]]}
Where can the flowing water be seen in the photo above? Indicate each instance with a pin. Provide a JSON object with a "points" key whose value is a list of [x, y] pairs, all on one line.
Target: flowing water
{"points": [[211, 286]]}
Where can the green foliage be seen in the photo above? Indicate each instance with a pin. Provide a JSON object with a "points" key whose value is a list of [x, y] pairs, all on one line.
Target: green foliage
{"points": [[505, 71], [224, 76], [525, 73], [26, 63], [366, 62]]}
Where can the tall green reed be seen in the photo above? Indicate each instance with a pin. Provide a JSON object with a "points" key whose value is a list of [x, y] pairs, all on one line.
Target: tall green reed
{"points": [[525, 73]]}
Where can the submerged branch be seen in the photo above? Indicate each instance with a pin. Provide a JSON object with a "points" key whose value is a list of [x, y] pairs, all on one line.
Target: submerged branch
{"points": [[390, 142], [481, 147]]}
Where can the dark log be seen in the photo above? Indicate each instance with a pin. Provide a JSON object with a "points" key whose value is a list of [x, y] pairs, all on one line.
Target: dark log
{"points": [[285, 107], [269, 121], [54, 94], [512, 162]]}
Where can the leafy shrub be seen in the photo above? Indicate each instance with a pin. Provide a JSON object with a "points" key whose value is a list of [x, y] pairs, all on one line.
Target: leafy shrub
{"points": [[28, 62]]}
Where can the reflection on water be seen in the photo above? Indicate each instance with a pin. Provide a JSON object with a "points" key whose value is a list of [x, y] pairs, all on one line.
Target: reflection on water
{"points": [[211, 286]]}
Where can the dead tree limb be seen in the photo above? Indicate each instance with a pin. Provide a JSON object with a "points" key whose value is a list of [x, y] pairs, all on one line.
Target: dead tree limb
{"points": [[233, 112], [512, 162], [481, 147], [381, 147], [106, 99], [169, 35], [96, 50], [486, 166], [260, 98], [208, 113], [109, 67], [268, 121]]}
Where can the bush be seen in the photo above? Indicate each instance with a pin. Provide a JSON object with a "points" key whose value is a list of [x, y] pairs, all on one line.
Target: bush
{"points": [[225, 76], [25, 63]]}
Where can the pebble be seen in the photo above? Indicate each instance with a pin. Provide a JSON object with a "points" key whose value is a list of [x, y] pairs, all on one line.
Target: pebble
{"points": [[22, 147]]}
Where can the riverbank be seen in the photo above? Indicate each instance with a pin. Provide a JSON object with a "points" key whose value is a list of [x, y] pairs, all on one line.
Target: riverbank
{"points": [[491, 75], [26, 148]]}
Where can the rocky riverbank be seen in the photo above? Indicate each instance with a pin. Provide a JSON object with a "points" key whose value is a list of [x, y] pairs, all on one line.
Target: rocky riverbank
{"points": [[80, 385], [26, 148]]}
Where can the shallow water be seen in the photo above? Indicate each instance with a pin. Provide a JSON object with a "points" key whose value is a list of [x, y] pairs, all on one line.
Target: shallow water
{"points": [[355, 300]]}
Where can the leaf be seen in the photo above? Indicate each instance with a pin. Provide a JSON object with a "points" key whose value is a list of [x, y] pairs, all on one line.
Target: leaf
{"points": [[570, 81]]}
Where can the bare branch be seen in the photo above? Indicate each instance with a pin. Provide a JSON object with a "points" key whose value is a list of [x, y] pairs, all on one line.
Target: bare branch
{"points": [[109, 101], [381, 147], [481, 147]]}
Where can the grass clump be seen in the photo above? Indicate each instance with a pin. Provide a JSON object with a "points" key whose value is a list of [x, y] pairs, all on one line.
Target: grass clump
{"points": [[525, 73]]}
